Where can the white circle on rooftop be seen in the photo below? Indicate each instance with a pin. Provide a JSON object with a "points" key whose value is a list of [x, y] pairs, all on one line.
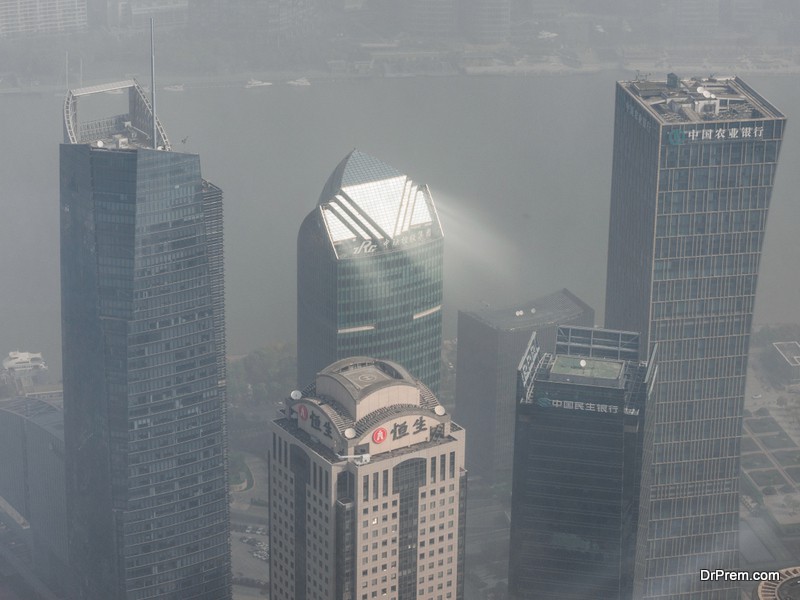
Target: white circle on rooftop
{"points": [[533, 311], [439, 410], [99, 143], [700, 89], [706, 94], [296, 395], [583, 364], [349, 433], [366, 377]]}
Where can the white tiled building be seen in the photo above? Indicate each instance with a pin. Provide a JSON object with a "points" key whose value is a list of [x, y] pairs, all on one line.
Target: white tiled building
{"points": [[367, 489]]}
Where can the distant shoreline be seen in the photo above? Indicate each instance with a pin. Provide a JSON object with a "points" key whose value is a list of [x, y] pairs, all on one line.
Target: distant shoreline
{"points": [[283, 78]]}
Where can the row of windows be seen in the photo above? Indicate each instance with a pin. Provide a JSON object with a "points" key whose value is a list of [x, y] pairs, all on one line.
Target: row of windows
{"points": [[709, 287], [713, 307], [703, 178], [199, 295], [692, 349], [699, 505], [709, 201], [711, 223], [146, 222], [163, 460], [701, 429], [714, 525], [695, 370], [704, 327], [708, 266], [725, 153], [143, 332]]}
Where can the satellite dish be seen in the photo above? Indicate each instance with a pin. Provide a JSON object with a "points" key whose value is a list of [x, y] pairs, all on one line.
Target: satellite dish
{"points": [[701, 89], [583, 364], [439, 410], [296, 395], [706, 94], [533, 311], [99, 143], [349, 433]]}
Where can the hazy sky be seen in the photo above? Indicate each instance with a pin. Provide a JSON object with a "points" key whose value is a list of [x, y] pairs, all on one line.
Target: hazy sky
{"points": [[520, 170]]}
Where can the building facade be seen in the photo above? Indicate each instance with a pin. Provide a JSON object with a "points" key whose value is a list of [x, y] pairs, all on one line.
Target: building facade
{"points": [[578, 463], [367, 489], [693, 167], [143, 327], [490, 344], [369, 272], [20, 18]]}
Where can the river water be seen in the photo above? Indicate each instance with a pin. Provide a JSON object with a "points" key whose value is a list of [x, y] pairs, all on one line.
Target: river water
{"points": [[520, 170]]}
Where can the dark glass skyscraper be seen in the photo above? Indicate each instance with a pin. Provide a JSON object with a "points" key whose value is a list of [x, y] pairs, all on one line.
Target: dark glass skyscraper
{"points": [[693, 167], [369, 272], [577, 468], [142, 306]]}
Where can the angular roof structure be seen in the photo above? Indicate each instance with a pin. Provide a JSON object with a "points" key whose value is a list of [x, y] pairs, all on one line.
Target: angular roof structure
{"points": [[367, 199], [134, 129]]}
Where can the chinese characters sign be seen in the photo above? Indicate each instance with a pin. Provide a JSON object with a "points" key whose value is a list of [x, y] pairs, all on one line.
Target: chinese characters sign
{"points": [[400, 429], [677, 137], [314, 420], [584, 406], [410, 237]]}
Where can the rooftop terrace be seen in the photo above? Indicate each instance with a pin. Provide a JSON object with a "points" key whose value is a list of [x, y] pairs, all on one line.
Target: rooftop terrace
{"points": [[134, 129], [554, 308], [699, 100], [575, 368]]}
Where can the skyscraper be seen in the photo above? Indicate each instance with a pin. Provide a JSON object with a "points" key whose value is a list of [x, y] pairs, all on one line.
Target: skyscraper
{"points": [[142, 312], [490, 344], [367, 489], [693, 167], [577, 468], [369, 272]]}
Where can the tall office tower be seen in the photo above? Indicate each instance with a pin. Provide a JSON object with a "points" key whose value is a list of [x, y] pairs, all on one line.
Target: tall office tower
{"points": [[490, 344], [577, 469], [369, 272], [694, 161], [367, 489], [142, 308]]}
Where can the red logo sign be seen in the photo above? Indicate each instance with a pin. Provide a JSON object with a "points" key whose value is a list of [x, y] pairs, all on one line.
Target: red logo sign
{"points": [[302, 410], [379, 435]]}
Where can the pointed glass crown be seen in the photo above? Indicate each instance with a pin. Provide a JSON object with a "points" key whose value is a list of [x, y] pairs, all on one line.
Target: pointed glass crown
{"points": [[365, 198]]}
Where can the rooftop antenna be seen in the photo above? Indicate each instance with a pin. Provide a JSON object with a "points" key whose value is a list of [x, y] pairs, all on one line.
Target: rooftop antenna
{"points": [[153, 81]]}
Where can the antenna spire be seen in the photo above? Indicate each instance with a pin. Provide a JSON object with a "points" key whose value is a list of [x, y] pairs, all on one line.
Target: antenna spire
{"points": [[153, 81]]}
